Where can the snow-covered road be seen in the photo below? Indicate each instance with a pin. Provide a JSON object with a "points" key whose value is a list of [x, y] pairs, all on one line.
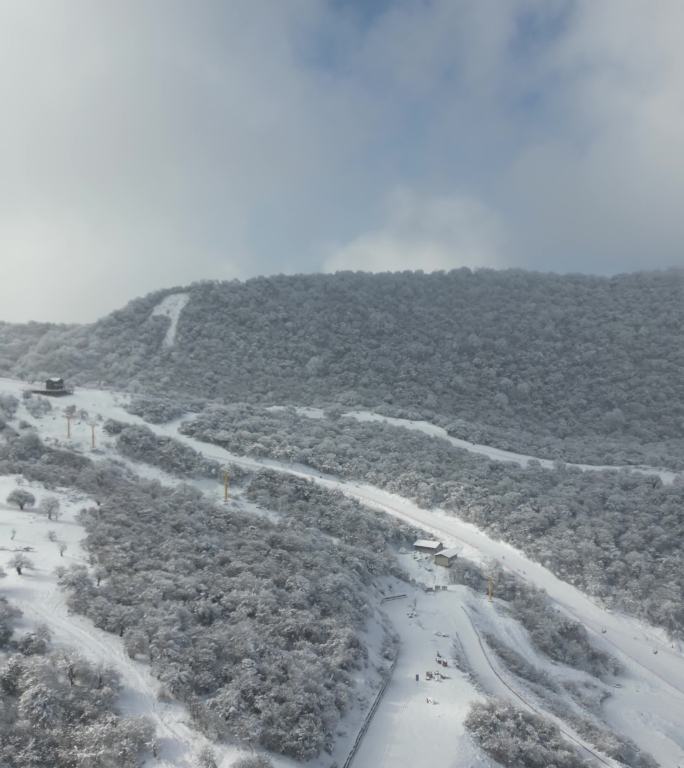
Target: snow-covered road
{"points": [[654, 669], [649, 707]]}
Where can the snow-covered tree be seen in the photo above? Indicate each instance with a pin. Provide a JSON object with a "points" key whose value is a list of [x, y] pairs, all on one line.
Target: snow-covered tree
{"points": [[21, 498], [49, 506], [20, 562]]}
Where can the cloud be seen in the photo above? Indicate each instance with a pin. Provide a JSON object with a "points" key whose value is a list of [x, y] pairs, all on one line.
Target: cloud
{"points": [[601, 191], [436, 233], [146, 144]]}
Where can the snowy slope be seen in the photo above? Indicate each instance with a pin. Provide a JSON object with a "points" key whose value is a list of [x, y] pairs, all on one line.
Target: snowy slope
{"points": [[498, 454], [422, 722], [37, 594], [171, 307], [649, 707], [491, 452]]}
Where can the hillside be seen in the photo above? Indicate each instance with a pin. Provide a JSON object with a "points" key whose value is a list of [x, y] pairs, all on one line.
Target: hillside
{"points": [[530, 361], [270, 621]]}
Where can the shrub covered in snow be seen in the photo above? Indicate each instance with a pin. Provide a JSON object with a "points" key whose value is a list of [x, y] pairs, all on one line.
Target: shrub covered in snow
{"points": [[21, 498], [8, 406], [256, 625], [520, 739], [38, 406], [617, 535], [510, 355], [142, 444], [59, 711], [252, 761]]}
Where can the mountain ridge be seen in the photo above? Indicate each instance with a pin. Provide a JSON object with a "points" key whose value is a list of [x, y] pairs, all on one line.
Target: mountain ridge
{"points": [[557, 356]]}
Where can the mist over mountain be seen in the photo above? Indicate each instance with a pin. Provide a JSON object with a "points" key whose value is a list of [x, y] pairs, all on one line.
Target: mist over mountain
{"points": [[490, 354]]}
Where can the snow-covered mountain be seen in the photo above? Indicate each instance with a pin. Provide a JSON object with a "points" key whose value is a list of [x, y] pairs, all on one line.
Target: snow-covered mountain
{"points": [[570, 367], [600, 687], [206, 548]]}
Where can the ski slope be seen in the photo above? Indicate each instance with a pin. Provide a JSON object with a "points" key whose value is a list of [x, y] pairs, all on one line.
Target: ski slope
{"points": [[419, 723], [498, 454], [655, 678], [171, 307], [649, 707]]}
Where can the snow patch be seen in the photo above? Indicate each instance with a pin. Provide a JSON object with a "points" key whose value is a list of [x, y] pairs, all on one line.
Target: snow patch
{"points": [[171, 307]]}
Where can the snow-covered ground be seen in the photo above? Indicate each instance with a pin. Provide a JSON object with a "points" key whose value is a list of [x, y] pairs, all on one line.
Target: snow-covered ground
{"points": [[491, 452], [498, 454], [171, 306], [421, 723], [42, 602], [649, 707], [37, 594], [654, 669]]}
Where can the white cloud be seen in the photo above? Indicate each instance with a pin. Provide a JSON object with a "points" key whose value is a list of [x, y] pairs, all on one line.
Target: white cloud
{"points": [[602, 189], [435, 233], [150, 144]]}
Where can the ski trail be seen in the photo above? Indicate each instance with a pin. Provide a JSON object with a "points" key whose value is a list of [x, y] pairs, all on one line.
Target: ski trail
{"points": [[42, 601], [492, 677], [171, 307], [659, 676]]}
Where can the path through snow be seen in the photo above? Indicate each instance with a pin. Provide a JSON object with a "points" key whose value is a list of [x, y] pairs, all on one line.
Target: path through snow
{"points": [[654, 678], [36, 593], [171, 306], [650, 705], [498, 454]]}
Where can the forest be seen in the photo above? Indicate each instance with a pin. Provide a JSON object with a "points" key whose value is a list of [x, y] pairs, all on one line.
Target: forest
{"points": [[616, 535], [523, 360], [257, 621], [257, 626], [59, 711]]}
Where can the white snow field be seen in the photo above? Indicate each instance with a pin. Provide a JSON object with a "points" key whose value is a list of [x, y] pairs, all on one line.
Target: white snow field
{"points": [[171, 306], [648, 707], [420, 723]]}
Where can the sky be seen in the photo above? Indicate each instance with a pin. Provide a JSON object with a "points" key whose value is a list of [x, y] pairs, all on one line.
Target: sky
{"points": [[151, 143]]}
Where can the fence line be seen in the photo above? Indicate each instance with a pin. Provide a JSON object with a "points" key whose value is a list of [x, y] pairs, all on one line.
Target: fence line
{"points": [[371, 712], [392, 597]]}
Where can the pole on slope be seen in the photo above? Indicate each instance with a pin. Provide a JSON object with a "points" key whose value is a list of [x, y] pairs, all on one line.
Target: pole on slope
{"points": [[92, 436], [490, 589], [68, 417]]}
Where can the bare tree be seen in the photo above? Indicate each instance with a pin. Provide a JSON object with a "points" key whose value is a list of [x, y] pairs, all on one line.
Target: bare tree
{"points": [[49, 505]]}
